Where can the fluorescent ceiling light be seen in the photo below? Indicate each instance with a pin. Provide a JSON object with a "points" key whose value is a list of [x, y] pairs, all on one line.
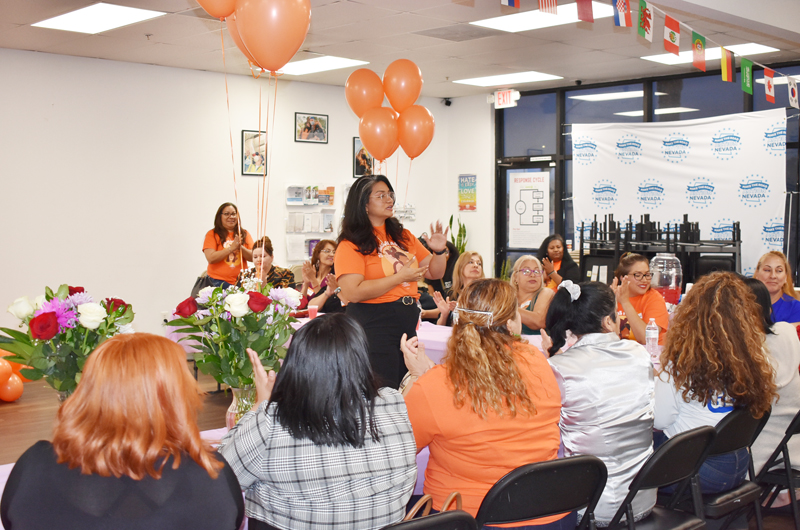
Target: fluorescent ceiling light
{"points": [[608, 96], [711, 53], [98, 18], [508, 79], [567, 14], [319, 64], [670, 110], [779, 80]]}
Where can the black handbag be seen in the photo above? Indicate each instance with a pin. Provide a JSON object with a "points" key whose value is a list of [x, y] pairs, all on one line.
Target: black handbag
{"points": [[203, 281]]}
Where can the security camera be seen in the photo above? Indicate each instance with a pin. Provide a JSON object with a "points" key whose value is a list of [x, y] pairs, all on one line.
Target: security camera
{"points": [[447, 102], [578, 82]]}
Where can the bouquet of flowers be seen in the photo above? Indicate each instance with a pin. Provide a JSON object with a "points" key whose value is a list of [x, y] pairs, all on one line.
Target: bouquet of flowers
{"points": [[64, 327], [225, 322]]}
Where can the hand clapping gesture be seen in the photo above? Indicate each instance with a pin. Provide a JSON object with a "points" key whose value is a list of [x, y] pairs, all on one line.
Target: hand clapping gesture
{"points": [[621, 290], [264, 381]]}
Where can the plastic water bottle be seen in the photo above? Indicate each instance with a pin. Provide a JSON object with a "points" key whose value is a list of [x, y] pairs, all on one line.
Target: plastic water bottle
{"points": [[651, 342]]}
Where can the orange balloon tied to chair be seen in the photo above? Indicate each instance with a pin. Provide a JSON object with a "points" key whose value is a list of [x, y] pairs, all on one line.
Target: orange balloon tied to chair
{"points": [[218, 8], [5, 370], [378, 132], [230, 21], [11, 390], [415, 130], [273, 30], [402, 82], [363, 91]]}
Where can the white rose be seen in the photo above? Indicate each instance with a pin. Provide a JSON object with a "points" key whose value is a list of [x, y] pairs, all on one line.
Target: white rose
{"points": [[21, 308], [38, 301], [294, 296], [236, 304], [91, 315], [125, 328]]}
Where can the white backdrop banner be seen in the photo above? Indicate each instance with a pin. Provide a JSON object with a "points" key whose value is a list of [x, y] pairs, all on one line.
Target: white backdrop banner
{"points": [[718, 170]]}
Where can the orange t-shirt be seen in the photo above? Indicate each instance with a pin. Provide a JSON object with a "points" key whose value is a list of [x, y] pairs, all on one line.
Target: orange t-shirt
{"points": [[551, 283], [228, 269], [388, 259], [648, 305], [469, 454]]}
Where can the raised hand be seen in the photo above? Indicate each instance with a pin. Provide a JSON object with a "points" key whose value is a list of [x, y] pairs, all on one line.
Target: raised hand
{"points": [[441, 303], [414, 356], [548, 265], [437, 241], [264, 381], [309, 274]]}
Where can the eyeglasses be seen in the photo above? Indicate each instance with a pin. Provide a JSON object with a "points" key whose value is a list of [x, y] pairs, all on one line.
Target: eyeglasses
{"points": [[229, 214], [327, 251], [639, 276], [529, 272], [382, 196]]}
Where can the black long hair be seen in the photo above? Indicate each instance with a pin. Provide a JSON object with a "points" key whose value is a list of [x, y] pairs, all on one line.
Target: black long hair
{"points": [[542, 252], [325, 390], [356, 226], [764, 300], [220, 230], [582, 316]]}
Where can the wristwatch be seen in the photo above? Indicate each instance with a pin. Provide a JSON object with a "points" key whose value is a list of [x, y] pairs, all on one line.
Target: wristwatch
{"points": [[439, 253], [337, 291]]}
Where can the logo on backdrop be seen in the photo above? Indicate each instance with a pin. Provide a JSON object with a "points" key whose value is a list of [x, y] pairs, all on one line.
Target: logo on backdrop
{"points": [[650, 194], [726, 143], [584, 150], [604, 194], [700, 192], [587, 229], [753, 190], [675, 147], [775, 139], [722, 230], [628, 149], [748, 271], [772, 233]]}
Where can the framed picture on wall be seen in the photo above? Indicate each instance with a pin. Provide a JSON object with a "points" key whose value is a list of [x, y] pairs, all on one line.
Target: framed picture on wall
{"points": [[362, 160], [254, 153], [310, 128]]}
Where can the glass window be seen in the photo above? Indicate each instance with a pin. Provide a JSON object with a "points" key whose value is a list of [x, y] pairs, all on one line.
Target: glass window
{"points": [[696, 97], [623, 104], [529, 129]]}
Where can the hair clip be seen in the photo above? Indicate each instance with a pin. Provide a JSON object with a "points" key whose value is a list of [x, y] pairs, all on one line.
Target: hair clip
{"points": [[461, 309], [574, 290]]}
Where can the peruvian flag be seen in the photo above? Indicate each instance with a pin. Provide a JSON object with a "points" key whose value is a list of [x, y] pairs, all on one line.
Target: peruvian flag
{"points": [[622, 14], [672, 35], [548, 6], [769, 85]]}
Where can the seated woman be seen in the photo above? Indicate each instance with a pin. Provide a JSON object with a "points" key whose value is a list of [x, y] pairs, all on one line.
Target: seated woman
{"points": [[319, 280], [468, 268], [126, 451], [532, 296], [263, 270], [713, 361], [227, 247], [557, 263], [492, 406], [606, 391], [637, 302], [324, 448], [773, 269]]}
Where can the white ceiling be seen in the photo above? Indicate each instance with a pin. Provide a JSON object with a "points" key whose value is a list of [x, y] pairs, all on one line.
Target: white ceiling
{"points": [[427, 32]]}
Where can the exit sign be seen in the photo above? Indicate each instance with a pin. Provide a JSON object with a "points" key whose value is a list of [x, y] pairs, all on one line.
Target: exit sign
{"points": [[505, 98]]}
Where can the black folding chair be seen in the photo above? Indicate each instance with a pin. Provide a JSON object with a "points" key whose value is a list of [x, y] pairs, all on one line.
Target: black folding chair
{"points": [[546, 488], [452, 520], [777, 480], [677, 460]]}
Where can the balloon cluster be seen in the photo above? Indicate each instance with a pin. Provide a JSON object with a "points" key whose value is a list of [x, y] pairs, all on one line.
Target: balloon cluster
{"points": [[10, 382], [382, 129], [269, 32]]}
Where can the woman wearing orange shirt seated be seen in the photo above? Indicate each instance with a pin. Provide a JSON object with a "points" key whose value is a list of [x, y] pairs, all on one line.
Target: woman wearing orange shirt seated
{"points": [[637, 303], [557, 263], [492, 406], [225, 253]]}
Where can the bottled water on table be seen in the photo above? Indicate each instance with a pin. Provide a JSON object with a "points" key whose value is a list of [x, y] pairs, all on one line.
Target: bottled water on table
{"points": [[651, 342]]}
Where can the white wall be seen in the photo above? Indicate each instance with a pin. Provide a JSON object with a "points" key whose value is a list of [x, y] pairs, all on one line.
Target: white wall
{"points": [[112, 172]]}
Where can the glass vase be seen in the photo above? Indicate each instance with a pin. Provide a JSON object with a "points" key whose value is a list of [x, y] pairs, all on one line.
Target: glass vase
{"points": [[63, 395], [243, 400]]}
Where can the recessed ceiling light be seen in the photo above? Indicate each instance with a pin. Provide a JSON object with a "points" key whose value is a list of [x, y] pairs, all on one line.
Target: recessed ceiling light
{"points": [[508, 79], [319, 64], [567, 14], [711, 53], [670, 110], [779, 80], [608, 96], [98, 18]]}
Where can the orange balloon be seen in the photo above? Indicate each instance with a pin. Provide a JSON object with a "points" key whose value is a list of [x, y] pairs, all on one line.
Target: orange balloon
{"points": [[378, 132], [218, 8], [273, 30], [230, 21], [15, 367], [5, 370], [363, 91], [402, 82], [415, 130], [11, 390]]}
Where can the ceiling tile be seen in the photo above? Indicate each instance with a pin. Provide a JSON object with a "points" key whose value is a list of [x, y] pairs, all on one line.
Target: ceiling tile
{"points": [[167, 28], [32, 11], [392, 25], [97, 46], [344, 13], [355, 50], [166, 6], [37, 39]]}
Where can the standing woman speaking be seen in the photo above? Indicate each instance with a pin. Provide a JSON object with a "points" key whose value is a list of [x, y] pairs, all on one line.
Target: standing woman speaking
{"points": [[378, 264]]}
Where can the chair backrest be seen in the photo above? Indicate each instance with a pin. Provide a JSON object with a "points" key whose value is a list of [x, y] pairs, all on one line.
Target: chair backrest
{"points": [[452, 520], [735, 431], [791, 430], [545, 488]]}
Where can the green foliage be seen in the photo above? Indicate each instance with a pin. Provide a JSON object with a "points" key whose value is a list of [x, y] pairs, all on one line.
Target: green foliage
{"points": [[505, 271], [458, 237]]}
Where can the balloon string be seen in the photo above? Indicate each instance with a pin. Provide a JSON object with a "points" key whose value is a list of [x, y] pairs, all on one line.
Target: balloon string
{"points": [[396, 171], [253, 73], [407, 181], [270, 138], [260, 228]]}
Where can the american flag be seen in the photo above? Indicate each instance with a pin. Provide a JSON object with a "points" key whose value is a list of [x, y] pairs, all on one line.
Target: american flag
{"points": [[548, 6]]}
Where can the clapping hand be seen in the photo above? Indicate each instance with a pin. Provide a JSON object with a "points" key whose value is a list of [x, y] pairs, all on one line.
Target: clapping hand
{"points": [[414, 356], [264, 381], [309, 274], [621, 290], [437, 241], [548, 266], [410, 274], [445, 306]]}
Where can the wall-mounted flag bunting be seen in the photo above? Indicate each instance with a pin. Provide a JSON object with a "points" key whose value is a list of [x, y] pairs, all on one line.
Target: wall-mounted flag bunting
{"points": [[698, 51], [510, 3], [622, 13], [672, 35], [548, 6], [769, 85], [728, 64], [645, 21], [793, 92], [747, 75], [585, 10]]}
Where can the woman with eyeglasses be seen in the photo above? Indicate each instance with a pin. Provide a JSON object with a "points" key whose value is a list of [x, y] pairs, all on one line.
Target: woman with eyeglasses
{"points": [[319, 281], [227, 247], [637, 303], [378, 265], [468, 268], [532, 296]]}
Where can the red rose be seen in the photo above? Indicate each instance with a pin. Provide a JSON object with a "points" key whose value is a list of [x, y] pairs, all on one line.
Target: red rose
{"points": [[45, 326], [73, 290], [258, 302], [186, 308], [112, 304]]}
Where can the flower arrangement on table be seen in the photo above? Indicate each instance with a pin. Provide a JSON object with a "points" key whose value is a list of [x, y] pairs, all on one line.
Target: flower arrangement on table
{"points": [[64, 327]]}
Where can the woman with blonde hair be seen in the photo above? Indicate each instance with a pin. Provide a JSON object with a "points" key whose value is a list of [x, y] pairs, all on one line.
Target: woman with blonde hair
{"points": [[532, 295], [126, 451], [468, 268], [492, 406], [774, 271], [714, 360]]}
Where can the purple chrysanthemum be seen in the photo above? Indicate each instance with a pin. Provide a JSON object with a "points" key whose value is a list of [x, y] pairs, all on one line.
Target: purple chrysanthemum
{"points": [[66, 316], [73, 301]]}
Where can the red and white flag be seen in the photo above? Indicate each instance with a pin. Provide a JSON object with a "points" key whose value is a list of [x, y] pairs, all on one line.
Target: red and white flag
{"points": [[585, 10], [510, 3], [769, 85], [672, 35], [549, 6], [794, 101]]}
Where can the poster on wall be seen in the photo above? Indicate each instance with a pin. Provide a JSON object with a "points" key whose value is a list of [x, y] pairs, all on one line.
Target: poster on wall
{"points": [[717, 170], [529, 207], [467, 193]]}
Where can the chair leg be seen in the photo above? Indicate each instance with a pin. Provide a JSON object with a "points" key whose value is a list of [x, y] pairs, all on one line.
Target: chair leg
{"points": [[759, 519], [792, 497], [698, 499]]}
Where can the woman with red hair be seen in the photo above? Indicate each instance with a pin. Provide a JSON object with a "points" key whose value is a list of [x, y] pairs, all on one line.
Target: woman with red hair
{"points": [[126, 451]]}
